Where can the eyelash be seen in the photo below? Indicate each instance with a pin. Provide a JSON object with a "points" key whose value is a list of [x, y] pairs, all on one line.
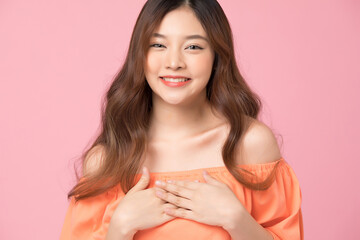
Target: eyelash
{"points": [[153, 45]]}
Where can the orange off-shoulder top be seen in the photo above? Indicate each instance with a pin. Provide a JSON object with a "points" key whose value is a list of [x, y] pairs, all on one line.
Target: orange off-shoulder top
{"points": [[277, 209]]}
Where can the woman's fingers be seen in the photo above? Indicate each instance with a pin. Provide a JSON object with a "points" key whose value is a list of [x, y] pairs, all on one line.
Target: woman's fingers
{"points": [[193, 185], [177, 200], [170, 184], [180, 212]]}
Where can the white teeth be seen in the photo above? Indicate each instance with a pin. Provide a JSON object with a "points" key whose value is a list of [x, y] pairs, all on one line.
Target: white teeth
{"points": [[175, 79]]}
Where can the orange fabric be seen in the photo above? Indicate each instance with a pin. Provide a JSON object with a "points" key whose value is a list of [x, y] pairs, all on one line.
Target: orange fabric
{"points": [[277, 209]]}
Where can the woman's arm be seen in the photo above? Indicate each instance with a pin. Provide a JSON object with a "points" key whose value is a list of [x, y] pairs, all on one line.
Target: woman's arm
{"points": [[242, 226], [259, 146], [118, 231]]}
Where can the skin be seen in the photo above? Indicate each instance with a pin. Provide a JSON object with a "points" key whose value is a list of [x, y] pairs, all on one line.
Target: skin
{"points": [[177, 141], [177, 112]]}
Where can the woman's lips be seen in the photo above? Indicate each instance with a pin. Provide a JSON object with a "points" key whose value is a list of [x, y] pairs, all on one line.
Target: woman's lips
{"points": [[171, 83]]}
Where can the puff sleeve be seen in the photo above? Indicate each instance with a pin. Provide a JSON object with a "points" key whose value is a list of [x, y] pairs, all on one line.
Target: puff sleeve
{"points": [[278, 209], [90, 218]]}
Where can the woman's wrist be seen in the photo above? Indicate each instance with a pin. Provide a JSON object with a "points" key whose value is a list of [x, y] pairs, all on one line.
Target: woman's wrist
{"points": [[120, 230], [242, 225], [234, 217]]}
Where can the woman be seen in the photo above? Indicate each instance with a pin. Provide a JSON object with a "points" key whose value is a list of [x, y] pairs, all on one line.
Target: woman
{"points": [[180, 110]]}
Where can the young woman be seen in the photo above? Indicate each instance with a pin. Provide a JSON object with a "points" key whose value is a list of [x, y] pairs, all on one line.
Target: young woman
{"points": [[180, 111]]}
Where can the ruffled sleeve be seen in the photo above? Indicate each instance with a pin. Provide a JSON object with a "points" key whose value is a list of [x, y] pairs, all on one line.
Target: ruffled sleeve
{"points": [[89, 218], [278, 209]]}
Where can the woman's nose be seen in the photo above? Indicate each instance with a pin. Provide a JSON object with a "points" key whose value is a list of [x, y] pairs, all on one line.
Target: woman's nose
{"points": [[174, 60]]}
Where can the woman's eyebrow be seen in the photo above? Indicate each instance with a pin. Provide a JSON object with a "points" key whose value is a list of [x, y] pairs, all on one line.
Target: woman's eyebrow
{"points": [[196, 36]]}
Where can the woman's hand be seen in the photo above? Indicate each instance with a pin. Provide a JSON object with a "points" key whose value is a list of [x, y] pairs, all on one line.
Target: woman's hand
{"points": [[139, 209], [212, 203]]}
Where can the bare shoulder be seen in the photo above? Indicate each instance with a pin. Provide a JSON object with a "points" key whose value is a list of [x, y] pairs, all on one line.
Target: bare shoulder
{"points": [[93, 159], [258, 145]]}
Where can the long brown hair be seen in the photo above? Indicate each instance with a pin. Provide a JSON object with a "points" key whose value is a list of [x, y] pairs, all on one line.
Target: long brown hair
{"points": [[128, 103]]}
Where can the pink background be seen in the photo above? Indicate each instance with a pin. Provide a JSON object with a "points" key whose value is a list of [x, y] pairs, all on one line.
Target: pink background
{"points": [[57, 57]]}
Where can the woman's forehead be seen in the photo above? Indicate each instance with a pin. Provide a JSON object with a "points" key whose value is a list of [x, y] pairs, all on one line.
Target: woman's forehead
{"points": [[185, 37], [180, 23]]}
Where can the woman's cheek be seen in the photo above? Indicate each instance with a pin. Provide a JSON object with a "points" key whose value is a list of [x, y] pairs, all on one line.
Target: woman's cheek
{"points": [[154, 63], [202, 65]]}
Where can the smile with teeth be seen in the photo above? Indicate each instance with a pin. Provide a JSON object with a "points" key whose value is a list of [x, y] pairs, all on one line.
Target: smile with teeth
{"points": [[176, 79]]}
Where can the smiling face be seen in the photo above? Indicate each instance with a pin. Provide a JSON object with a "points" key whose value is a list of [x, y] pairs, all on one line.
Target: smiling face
{"points": [[179, 60]]}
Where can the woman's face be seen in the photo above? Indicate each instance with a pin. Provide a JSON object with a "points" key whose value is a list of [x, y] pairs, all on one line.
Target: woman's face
{"points": [[179, 50]]}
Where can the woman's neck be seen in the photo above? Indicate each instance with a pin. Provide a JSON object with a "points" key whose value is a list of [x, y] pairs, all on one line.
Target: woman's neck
{"points": [[177, 122]]}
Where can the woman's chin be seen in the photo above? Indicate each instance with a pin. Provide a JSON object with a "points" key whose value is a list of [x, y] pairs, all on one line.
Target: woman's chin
{"points": [[176, 101]]}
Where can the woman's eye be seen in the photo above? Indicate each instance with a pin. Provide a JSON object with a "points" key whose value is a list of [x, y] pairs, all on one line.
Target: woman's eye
{"points": [[194, 47], [156, 45]]}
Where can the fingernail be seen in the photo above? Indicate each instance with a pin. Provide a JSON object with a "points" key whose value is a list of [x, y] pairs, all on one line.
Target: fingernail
{"points": [[159, 183], [159, 193], [168, 210]]}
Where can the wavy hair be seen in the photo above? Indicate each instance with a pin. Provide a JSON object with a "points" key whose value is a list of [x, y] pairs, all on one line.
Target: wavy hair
{"points": [[128, 104]]}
